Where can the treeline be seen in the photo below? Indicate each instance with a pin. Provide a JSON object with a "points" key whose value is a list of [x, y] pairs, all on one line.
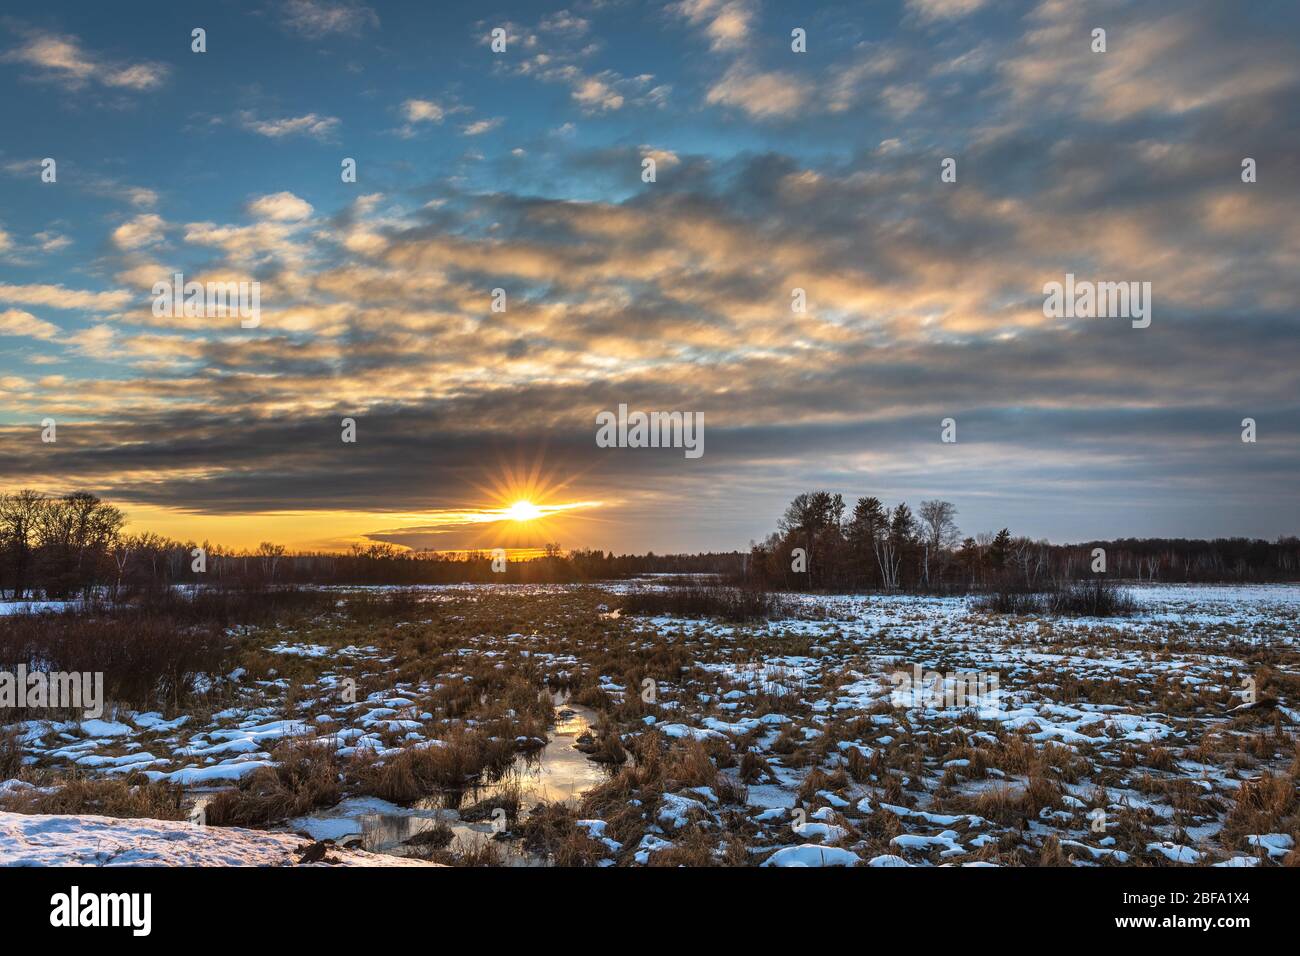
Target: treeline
{"points": [[56, 546], [820, 545], [387, 564], [62, 547], [74, 545]]}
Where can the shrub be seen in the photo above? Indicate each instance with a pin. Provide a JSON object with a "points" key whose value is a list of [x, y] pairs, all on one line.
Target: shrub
{"points": [[1096, 598], [149, 659], [706, 600], [1009, 601], [305, 775]]}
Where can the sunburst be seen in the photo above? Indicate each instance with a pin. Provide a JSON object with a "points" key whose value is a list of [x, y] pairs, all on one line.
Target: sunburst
{"points": [[530, 506]]}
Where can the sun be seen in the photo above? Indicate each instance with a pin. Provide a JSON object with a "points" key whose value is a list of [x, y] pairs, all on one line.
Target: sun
{"points": [[523, 511], [525, 506]]}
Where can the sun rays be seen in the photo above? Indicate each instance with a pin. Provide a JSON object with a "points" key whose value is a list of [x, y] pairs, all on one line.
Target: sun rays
{"points": [[528, 507]]}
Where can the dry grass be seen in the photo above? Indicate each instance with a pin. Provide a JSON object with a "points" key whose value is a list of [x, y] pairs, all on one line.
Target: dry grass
{"points": [[551, 831], [11, 752], [463, 759], [436, 837], [508, 798], [480, 668], [474, 855], [1267, 804], [134, 797], [305, 775]]}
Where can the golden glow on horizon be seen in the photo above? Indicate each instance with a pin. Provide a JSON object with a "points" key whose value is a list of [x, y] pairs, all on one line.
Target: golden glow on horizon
{"points": [[337, 531], [525, 513]]}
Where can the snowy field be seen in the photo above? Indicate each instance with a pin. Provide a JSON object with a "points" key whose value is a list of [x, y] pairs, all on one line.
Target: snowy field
{"points": [[1167, 738], [46, 840]]}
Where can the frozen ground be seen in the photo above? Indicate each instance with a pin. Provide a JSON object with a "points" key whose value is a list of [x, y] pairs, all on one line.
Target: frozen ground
{"points": [[45, 840], [1109, 742], [34, 607]]}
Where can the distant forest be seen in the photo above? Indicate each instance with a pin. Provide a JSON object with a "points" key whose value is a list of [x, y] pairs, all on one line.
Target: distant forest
{"points": [[74, 545], [877, 548]]}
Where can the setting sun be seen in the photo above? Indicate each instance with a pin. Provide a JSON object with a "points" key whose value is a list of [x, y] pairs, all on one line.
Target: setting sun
{"points": [[523, 511]]}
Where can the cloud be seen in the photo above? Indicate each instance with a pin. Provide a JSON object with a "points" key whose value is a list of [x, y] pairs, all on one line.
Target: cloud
{"points": [[930, 10], [140, 232], [850, 82], [248, 246], [564, 22], [924, 298], [423, 111], [761, 95], [97, 342], [418, 111], [1162, 59], [56, 296], [479, 127], [604, 91], [595, 94], [280, 207], [51, 241], [319, 127], [664, 158], [559, 53], [727, 23], [903, 98], [63, 60], [18, 322], [139, 195], [88, 180], [315, 19]]}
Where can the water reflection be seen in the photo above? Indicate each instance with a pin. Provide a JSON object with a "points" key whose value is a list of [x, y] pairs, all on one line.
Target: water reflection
{"points": [[556, 773]]}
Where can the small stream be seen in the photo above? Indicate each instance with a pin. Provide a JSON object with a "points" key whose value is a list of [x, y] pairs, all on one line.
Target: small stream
{"points": [[556, 773]]}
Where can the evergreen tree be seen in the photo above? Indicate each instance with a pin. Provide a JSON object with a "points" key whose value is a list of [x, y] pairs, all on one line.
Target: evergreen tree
{"points": [[1000, 549], [868, 524]]}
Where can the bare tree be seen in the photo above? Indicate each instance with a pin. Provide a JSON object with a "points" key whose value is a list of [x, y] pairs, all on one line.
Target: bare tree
{"points": [[270, 555], [939, 531], [20, 517], [122, 551], [888, 558]]}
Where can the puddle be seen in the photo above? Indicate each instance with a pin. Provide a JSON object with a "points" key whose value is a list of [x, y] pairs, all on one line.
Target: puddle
{"points": [[556, 773]]}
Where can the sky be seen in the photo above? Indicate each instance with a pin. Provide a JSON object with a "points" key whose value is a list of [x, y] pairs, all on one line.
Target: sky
{"points": [[523, 170]]}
